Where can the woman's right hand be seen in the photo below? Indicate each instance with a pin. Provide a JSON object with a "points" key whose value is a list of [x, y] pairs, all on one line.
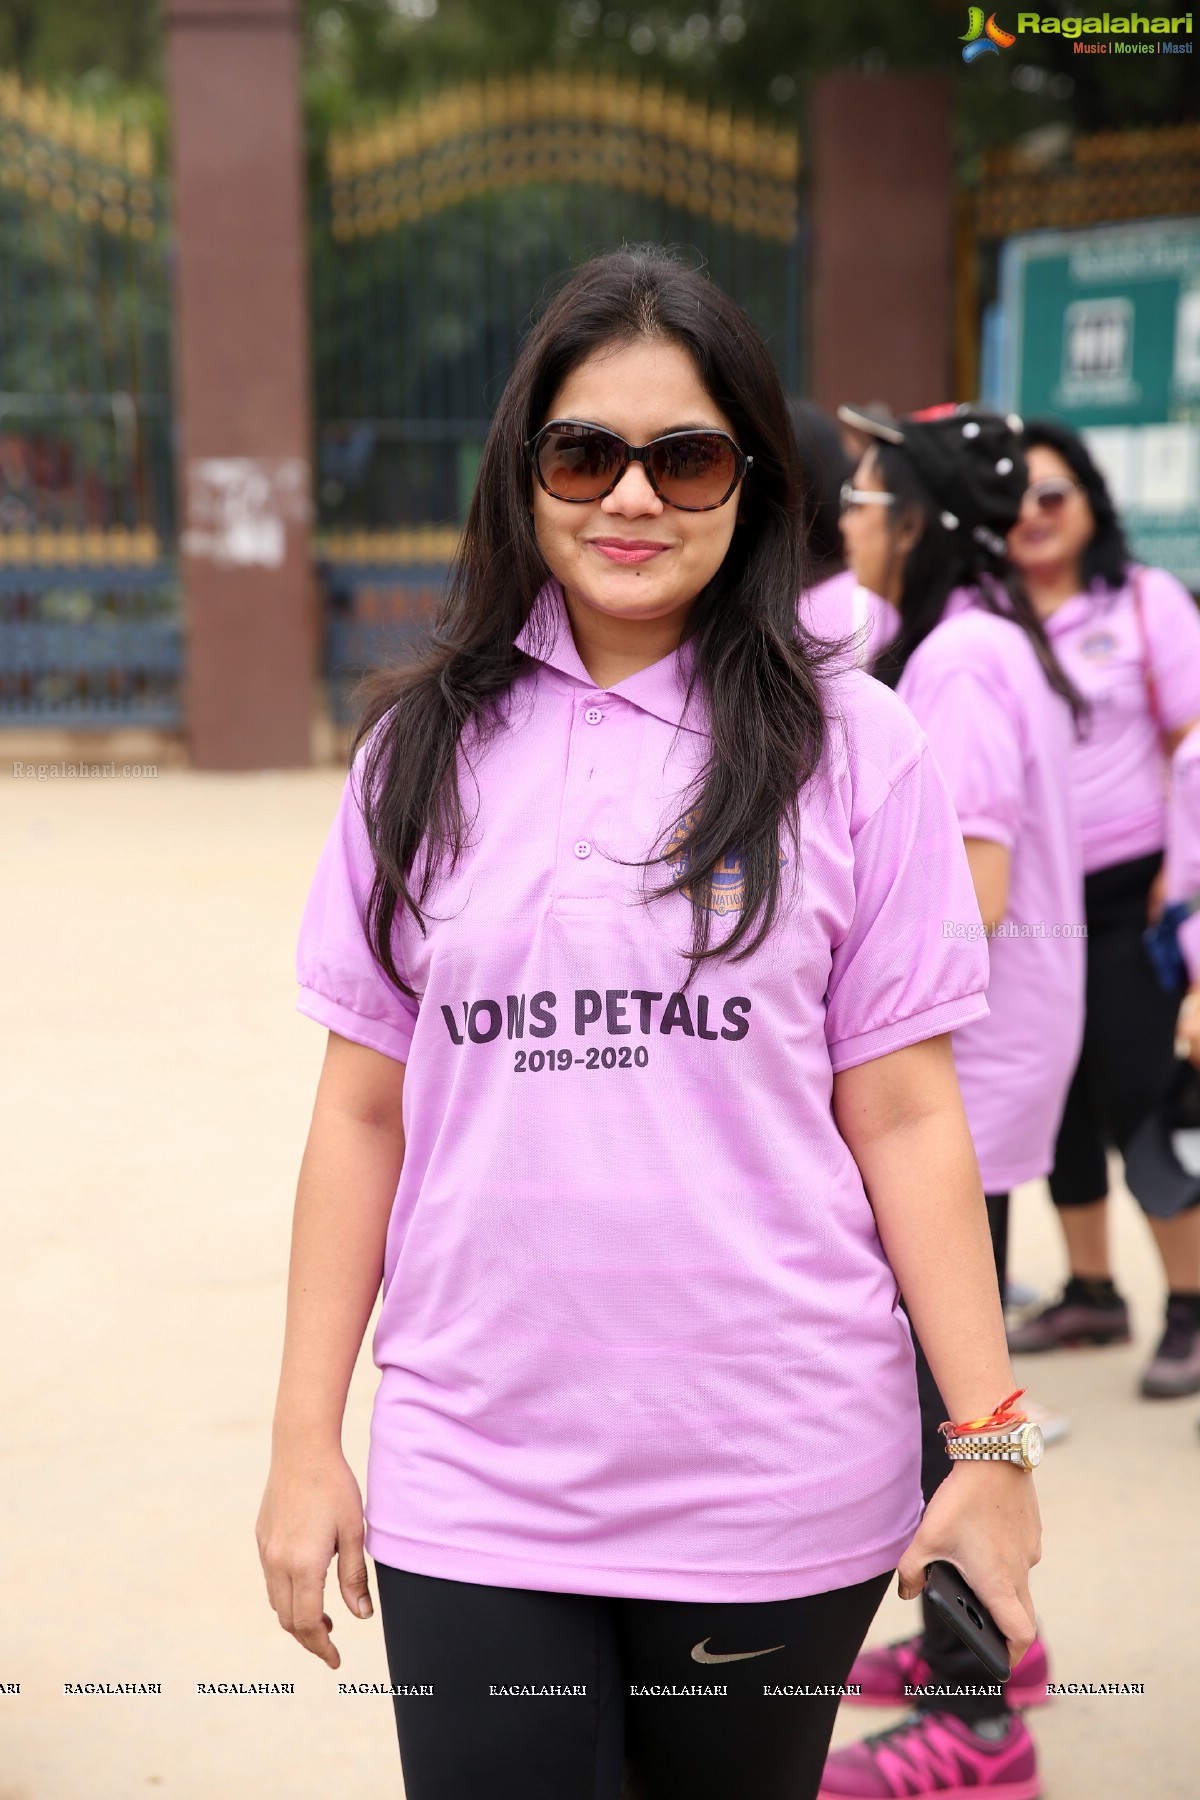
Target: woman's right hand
{"points": [[984, 1519], [312, 1511]]}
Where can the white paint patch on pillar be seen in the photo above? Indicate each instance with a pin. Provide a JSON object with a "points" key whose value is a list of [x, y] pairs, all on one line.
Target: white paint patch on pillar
{"points": [[239, 508]]}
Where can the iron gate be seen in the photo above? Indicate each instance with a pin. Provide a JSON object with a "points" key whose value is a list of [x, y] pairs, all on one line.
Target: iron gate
{"points": [[439, 229], [89, 609]]}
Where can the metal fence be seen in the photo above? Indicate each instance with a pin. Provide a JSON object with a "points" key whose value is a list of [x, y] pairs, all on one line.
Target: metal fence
{"points": [[380, 594], [90, 630]]}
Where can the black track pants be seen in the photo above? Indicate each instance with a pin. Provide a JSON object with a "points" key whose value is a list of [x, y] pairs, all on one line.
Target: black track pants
{"points": [[467, 1742], [1128, 1057]]}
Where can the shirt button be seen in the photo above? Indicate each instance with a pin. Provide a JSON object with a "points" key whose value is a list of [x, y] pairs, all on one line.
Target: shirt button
{"points": [[593, 715], [582, 849]]}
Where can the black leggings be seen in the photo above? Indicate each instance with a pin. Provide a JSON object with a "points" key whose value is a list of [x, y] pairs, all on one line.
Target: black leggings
{"points": [[466, 1742], [1128, 1058]]}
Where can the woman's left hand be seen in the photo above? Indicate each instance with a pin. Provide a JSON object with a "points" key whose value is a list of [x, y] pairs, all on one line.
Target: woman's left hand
{"points": [[1187, 1027], [1156, 897], [984, 1519]]}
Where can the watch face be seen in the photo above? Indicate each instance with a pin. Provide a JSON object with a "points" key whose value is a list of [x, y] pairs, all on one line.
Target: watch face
{"points": [[1034, 1445]]}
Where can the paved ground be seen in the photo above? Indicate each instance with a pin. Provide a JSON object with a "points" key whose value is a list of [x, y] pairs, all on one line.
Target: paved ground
{"points": [[157, 1096]]}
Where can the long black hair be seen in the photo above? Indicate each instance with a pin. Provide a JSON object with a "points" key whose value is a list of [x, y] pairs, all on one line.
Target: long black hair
{"points": [[754, 666], [1107, 555], [942, 560], [824, 466]]}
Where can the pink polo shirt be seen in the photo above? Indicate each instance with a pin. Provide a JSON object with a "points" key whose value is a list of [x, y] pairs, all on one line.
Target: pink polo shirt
{"points": [[1118, 766], [1183, 842], [638, 1334], [1003, 740], [840, 607]]}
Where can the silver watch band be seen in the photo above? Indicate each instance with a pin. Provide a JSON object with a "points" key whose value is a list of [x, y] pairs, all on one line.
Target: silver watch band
{"points": [[1023, 1446], [977, 1450]]}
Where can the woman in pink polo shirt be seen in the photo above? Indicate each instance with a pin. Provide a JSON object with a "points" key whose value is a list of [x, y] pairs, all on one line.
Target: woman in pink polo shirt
{"points": [[639, 1099], [925, 526], [1130, 638], [836, 607]]}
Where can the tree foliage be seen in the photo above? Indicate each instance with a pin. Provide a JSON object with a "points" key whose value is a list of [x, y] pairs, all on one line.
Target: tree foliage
{"points": [[758, 55], [116, 44]]}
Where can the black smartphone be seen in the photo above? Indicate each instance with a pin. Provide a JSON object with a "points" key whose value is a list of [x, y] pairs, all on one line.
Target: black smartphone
{"points": [[965, 1613]]}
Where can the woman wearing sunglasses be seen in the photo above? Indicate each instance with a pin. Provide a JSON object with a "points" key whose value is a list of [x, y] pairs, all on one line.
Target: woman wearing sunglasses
{"points": [[1130, 638], [836, 607], [924, 523], [639, 1100]]}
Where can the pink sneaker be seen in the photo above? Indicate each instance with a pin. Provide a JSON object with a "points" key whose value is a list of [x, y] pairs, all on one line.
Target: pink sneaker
{"points": [[932, 1756], [884, 1674]]}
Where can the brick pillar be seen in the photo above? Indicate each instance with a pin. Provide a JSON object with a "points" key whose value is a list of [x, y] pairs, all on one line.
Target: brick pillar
{"points": [[882, 232], [242, 381]]}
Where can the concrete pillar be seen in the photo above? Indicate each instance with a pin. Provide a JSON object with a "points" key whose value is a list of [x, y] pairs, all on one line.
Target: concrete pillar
{"points": [[881, 203], [242, 381]]}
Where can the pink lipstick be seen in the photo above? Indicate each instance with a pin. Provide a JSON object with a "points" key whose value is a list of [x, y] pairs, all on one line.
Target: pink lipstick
{"points": [[625, 550]]}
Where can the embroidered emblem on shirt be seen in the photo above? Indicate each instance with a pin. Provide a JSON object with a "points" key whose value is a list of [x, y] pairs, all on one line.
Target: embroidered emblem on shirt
{"points": [[700, 1654], [728, 881], [1098, 646]]}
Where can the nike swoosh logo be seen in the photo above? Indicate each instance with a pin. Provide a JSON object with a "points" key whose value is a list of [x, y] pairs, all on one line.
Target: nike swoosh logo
{"points": [[701, 1655]]}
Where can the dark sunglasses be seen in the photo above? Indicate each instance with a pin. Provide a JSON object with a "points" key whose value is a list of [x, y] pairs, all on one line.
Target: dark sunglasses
{"points": [[1051, 495], [692, 470]]}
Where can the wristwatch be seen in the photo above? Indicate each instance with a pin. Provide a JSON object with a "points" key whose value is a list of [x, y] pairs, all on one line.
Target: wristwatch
{"points": [[1023, 1446]]}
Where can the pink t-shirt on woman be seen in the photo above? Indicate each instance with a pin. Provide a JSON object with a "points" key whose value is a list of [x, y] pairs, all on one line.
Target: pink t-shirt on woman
{"points": [[840, 607], [1118, 766], [639, 1335], [1003, 740]]}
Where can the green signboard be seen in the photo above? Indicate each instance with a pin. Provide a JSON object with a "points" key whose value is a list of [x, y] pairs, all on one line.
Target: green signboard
{"points": [[1102, 328]]}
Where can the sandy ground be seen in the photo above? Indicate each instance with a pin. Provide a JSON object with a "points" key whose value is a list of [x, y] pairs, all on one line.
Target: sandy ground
{"points": [[156, 1100]]}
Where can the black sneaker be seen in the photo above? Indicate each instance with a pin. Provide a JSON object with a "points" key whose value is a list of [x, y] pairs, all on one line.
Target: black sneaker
{"points": [[1175, 1369], [1075, 1318]]}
